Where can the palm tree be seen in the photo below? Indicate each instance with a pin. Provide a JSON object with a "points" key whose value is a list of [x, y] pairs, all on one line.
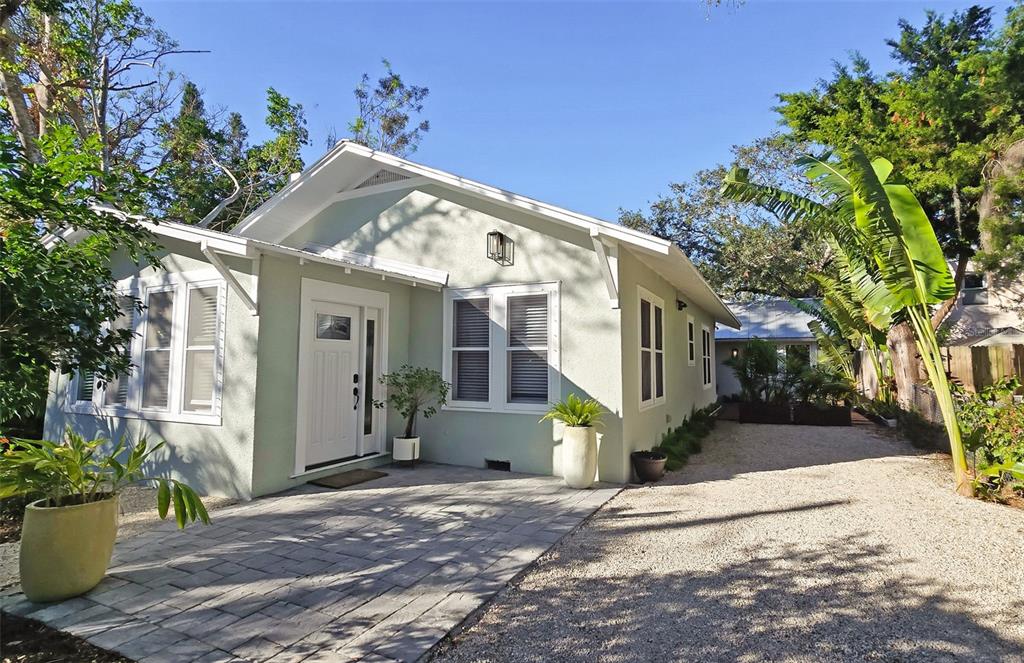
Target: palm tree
{"points": [[892, 258]]}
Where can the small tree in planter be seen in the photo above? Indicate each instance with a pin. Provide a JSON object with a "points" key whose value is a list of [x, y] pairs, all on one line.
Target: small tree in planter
{"points": [[579, 441], [413, 391], [68, 536]]}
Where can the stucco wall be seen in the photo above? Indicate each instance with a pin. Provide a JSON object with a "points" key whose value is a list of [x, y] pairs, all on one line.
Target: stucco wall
{"points": [[216, 459], [684, 388], [446, 230]]}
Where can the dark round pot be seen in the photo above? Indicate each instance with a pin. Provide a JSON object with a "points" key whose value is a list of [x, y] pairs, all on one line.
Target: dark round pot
{"points": [[649, 465]]}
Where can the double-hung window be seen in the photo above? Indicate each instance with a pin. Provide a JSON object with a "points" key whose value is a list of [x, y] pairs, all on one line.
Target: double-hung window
{"points": [[652, 350], [705, 353], [177, 354], [501, 347]]}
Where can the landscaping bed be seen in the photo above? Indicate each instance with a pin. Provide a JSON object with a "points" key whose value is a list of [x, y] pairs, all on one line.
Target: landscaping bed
{"points": [[28, 641]]}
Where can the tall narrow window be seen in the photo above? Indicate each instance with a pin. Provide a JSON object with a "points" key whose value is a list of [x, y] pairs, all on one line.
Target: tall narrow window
{"points": [[691, 341], [200, 349], [527, 348], [86, 386], [156, 360], [471, 350], [116, 392], [652, 350], [369, 379], [705, 337]]}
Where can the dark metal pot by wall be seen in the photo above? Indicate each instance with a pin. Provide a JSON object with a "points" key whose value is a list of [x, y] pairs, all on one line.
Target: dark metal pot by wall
{"points": [[649, 465]]}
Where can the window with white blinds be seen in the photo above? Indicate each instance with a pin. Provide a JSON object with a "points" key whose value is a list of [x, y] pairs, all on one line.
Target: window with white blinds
{"points": [[527, 349], [176, 355], [501, 347], [471, 350], [652, 349], [86, 387], [116, 391], [156, 356], [200, 349]]}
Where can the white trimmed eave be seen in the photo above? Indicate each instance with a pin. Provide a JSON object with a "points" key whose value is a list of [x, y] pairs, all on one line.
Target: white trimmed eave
{"points": [[214, 244]]}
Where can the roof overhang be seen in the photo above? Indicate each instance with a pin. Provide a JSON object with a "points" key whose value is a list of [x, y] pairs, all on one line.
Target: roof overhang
{"points": [[244, 247], [343, 171]]}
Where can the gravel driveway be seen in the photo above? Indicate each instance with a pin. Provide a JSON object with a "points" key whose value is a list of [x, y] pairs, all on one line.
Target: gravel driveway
{"points": [[778, 543]]}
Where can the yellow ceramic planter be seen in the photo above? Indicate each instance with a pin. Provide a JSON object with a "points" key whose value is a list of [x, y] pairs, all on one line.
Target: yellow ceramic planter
{"points": [[65, 550]]}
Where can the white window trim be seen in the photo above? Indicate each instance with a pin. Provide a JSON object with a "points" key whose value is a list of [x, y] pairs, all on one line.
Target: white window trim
{"points": [[708, 359], [181, 284], [691, 340], [497, 296], [655, 400]]}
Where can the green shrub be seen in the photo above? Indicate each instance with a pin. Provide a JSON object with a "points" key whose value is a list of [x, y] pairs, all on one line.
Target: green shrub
{"points": [[993, 428], [681, 442]]}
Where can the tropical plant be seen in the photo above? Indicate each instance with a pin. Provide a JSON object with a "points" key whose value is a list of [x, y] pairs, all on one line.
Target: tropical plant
{"points": [[757, 370], [684, 440], [891, 247], [413, 391], [815, 385], [993, 426], [79, 471], [574, 411]]}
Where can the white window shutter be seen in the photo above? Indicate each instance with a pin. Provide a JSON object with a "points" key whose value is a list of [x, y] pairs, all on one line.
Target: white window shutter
{"points": [[528, 343], [471, 350]]}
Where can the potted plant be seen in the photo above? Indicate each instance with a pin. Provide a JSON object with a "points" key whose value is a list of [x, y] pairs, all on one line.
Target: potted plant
{"points": [[412, 391], [579, 441], [649, 465], [68, 535]]}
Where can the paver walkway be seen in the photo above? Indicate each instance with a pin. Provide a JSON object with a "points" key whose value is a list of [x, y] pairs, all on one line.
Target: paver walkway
{"points": [[777, 543], [379, 571]]}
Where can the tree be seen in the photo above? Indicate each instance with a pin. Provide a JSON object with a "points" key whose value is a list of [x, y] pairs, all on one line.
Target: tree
{"points": [[57, 298], [952, 105], [385, 114], [884, 232], [742, 251], [95, 65], [189, 184]]}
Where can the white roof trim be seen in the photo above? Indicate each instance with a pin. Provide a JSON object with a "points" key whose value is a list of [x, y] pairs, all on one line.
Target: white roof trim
{"points": [[500, 196], [349, 260], [424, 174]]}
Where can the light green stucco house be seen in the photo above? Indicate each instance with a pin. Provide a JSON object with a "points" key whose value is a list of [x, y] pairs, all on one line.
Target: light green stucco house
{"points": [[259, 349]]}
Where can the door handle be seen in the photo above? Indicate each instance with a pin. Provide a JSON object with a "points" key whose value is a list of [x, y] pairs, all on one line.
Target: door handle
{"points": [[355, 398]]}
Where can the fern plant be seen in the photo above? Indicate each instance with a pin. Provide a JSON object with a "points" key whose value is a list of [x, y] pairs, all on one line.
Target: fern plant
{"points": [[574, 411]]}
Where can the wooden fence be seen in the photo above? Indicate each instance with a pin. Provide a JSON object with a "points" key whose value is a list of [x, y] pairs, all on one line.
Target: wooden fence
{"points": [[982, 366]]}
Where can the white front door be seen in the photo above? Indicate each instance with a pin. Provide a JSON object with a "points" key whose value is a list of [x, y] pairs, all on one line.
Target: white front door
{"points": [[333, 347]]}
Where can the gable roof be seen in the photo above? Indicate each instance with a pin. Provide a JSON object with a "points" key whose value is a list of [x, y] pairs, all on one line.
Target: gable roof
{"points": [[774, 319], [350, 169]]}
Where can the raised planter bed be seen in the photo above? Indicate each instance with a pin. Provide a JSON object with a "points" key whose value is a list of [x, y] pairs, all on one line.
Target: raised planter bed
{"points": [[764, 413], [811, 415]]}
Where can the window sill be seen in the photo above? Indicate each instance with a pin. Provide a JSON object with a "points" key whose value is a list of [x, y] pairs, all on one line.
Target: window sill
{"points": [[204, 419], [650, 405], [538, 408]]}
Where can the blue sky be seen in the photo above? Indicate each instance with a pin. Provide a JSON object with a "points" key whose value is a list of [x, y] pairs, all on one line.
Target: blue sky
{"points": [[592, 106]]}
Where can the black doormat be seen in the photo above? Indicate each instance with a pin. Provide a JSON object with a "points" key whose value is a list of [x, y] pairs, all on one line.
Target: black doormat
{"points": [[346, 479]]}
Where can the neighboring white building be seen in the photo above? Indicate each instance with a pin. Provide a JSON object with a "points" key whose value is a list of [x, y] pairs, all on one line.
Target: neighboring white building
{"points": [[259, 352], [987, 312], [774, 320]]}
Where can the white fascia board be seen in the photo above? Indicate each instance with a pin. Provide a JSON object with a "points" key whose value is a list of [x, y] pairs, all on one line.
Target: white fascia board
{"points": [[217, 241], [729, 318], [361, 262], [500, 196]]}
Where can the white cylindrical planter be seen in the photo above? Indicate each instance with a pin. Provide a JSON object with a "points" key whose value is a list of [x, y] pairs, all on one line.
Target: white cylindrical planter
{"points": [[405, 449], [579, 456]]}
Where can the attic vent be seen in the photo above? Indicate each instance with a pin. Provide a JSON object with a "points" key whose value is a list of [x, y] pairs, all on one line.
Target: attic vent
{"points": [[381, 177]]}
